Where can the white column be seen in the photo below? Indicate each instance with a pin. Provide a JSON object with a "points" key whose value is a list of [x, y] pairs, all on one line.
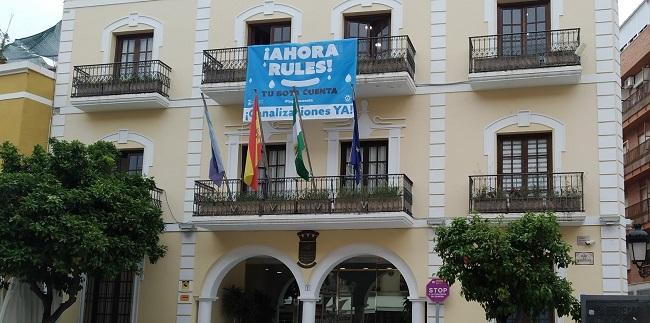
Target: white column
{"points": [[290, 156], [308, 310], [205, 310], [333, 160], [395, 135], [232, 156], [418, 306]]}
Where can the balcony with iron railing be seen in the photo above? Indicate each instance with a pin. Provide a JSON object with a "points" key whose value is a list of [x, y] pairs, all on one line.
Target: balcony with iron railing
{"points": [[525, 59], [529, 192], [321, 202], [385, 67], [639, 212], [115, 86], [638, 99], [637, 161]]}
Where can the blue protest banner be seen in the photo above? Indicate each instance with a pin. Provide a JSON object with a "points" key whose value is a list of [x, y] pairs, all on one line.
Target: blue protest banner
{"points": [[322, 73]]}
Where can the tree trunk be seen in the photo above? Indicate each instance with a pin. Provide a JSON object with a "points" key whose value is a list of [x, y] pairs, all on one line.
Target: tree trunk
{"points": [[46, 298]]}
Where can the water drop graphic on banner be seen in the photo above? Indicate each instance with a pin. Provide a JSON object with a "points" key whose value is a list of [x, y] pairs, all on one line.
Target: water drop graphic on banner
{"points": [[271, 84], [348, 78], [329, 77]]}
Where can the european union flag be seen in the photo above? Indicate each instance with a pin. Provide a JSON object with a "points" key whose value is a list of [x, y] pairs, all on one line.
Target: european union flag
{"points": [[355, 153]]}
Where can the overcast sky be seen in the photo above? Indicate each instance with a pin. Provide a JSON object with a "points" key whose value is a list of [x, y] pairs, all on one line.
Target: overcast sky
{"points": [[33, 16]]}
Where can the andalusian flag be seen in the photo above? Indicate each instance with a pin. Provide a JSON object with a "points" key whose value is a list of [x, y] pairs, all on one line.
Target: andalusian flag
{"points": [[254, 153], [299, 139]]}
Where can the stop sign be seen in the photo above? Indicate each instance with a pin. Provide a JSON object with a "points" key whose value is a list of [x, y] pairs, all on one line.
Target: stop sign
{"points": [[437, 290]]}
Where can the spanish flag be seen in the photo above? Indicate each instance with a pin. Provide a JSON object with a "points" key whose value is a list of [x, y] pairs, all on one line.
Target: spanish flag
{"points": [[254, 153]]}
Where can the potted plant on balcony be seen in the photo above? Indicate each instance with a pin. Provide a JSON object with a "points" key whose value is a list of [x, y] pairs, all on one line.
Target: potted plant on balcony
{"points": [[525, 199], [349, 200], [279, 203], [314, 201], [384, 199], [246, 203], [213, 204], [567, 199], [489, 199]]}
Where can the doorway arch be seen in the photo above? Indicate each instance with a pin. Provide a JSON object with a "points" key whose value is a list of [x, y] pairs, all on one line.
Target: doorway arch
{"points": [[221, 268], [342, 254]]}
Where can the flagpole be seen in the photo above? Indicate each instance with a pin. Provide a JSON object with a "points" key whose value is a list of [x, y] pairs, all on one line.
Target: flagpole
{"points": [[304, 136], [225, 176], [265, 159]]}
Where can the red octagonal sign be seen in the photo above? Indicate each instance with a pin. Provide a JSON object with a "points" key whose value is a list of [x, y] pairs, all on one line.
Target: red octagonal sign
{"points": [[437, 290]]}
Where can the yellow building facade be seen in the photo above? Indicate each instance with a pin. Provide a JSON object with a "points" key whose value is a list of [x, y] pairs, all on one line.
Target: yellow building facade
{"points": [[483, 106], [26, 94]]}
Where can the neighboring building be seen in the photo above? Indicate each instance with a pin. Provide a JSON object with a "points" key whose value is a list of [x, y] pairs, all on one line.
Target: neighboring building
{"points": [[27, 82], [26, 95], [635, 80], [635, 23], [451, 122]]}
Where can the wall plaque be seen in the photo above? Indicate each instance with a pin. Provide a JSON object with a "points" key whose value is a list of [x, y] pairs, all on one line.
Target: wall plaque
{"points": [[584, 258]]}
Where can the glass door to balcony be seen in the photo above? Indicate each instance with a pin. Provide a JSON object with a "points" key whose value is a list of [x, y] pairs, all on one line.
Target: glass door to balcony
{"points": [[524, 164], [522, 28], [374, 163], [269, 33], [134, 53], [374, 30], [272, 179]]}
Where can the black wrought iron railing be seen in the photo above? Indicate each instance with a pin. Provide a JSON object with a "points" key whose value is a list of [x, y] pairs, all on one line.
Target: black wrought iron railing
{"points": [[121, 78], [156, 195], [631, 103], [374, 55], [293, 195], [518, 193], [639, 212], [504, 52]]}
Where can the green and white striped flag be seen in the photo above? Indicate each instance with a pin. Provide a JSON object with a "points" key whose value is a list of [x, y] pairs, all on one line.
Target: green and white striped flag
{"points": [[299, 139]]}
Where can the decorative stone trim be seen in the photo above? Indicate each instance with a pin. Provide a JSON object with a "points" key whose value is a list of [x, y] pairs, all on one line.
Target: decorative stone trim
{"points": [[268, 8], [396, 19], [610, 148], [193, 159], [132, 20], [63, 73], [523, 119], [366, 126], [123, 136]]}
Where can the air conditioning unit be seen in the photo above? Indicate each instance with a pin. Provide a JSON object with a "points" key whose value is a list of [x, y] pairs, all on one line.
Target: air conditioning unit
{"points": [[629, 83]]}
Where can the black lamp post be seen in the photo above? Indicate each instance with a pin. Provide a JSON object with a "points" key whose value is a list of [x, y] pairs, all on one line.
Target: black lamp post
{"points": [[637, 250]]}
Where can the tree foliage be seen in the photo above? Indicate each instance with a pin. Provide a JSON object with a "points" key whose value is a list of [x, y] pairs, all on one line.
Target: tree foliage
{"points": [[508, 270], [69, 212]]}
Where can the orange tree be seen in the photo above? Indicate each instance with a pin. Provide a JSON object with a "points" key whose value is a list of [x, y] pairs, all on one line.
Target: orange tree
{"points": [[508, 270], [69, 212]]}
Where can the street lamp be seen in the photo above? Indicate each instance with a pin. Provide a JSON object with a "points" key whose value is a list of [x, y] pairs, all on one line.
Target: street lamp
{"points": [[637, 250]]}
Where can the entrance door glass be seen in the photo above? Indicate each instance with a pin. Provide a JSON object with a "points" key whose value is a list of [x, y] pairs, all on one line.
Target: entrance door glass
{"points": [[364, 290]]}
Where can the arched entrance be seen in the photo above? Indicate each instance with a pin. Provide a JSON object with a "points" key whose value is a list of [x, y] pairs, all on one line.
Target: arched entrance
{"points": [[363, 283], [366, 289], [252, 284]]}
